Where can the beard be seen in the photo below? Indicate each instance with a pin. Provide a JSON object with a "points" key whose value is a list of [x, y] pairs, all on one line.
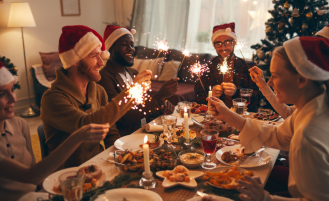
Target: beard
{"points": [[87, 71], [228, 57], [120, 60]]}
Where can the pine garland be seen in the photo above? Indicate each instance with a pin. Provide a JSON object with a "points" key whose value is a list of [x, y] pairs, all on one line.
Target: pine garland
{"points": [[12, 69]]}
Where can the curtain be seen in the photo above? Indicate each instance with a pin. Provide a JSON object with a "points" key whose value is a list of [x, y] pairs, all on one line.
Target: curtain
{"points": [[159, 19]]}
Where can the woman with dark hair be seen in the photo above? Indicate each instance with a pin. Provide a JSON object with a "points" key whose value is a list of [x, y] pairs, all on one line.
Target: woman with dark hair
{"points": [[300, 78], [19, 174]]}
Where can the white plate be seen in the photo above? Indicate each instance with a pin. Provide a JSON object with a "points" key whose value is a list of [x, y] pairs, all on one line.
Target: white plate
{"points": [[133, 141], [52, 180], [214, 197], [130, 194], [192, 184], [262, 158]]}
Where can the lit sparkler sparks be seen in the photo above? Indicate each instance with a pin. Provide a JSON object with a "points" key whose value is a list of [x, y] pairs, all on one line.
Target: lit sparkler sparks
{"points": [[138, 92], [162, 45], [198, 70], [186, 53], [240, 45], [224, 67]]}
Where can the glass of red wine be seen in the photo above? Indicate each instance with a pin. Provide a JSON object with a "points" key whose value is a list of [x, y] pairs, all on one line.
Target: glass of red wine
{"points": [[246, 94], [209, 141]]}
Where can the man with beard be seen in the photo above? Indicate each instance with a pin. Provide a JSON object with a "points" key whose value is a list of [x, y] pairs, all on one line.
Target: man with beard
{"points": [[117, 74], [75, 100], [227, 87]]}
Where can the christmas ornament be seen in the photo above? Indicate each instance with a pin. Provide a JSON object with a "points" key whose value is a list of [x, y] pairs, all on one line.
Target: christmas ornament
{"points": [[286, 5], [291, 20], [260, 54], [268, 30], [266, 60], [295, 13], [268, 54], [304, 26], [309, 14], [281, 25], [321, 12]]}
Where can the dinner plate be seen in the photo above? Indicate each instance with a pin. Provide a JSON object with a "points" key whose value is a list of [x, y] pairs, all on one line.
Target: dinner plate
{"points": [[133, 141], [214, 197], [198, 119], [52, 180], [261, 159], [192, 184], [129, 194]]}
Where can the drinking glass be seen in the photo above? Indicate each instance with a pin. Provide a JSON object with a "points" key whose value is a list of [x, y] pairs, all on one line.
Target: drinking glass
{"points": [[181, 110], [169, 124], [246, 93], [72, 185], [239, 105], [209, 140]]}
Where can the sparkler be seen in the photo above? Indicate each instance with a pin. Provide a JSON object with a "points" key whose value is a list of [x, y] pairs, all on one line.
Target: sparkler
{"points": [[239, 45], [223, 68], [198, 70], [138, 92], [162, 45], [186, 53]]}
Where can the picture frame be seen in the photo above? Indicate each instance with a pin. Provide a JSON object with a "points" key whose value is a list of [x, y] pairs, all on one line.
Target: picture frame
{"points": [[70, 7]]}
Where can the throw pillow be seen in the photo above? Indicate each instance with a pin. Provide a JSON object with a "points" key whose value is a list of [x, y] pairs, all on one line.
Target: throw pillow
{"points": [[50, 62], [169, 70], [155, 65]]}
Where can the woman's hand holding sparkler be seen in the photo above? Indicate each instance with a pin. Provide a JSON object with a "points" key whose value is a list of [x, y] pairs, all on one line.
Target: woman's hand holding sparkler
{"points": [[257, 76], [229, 88], [217, 91]]}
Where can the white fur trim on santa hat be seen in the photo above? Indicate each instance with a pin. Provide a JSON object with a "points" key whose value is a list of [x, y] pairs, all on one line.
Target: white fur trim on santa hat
{"points": [[6, 77], [220, 32], [81, 49], [323, 32], [300, 61], [115, 35]]}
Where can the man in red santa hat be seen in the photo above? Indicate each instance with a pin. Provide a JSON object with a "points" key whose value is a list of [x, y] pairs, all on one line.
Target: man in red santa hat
{"points": [[117, 74], [227, 87], [75, 100]]}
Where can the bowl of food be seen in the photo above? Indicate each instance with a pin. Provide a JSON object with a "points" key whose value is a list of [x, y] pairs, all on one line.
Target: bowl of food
{"points": [[191, 158]]}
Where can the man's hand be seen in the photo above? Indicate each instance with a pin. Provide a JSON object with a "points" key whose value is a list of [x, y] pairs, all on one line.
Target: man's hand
{"points": [[168, 89], [167, 107], [257, 76], [217, 91], [144, 76], [253, 190], [229, 88]]}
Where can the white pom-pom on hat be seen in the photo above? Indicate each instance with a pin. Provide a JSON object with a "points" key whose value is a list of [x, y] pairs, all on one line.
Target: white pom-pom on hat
{"points": [[105, 55], [133, 31], [228, 30]]}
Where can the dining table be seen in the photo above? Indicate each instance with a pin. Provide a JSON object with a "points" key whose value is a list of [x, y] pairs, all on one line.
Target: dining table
{"points": [[177, 193]]}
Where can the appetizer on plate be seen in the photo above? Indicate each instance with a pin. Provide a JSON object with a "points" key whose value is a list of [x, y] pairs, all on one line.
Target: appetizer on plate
{"points": [[227, 178], [180, 133], [231, 157], [197, 108], [153, 144], [179, 174]]}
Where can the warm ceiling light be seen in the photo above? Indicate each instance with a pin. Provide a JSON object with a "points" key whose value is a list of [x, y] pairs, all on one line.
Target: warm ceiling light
{"points": [[255, 2]]}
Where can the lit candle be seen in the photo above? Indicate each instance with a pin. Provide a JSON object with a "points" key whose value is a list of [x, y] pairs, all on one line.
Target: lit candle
{"points": [[209, 95], [146, 157], [187, 134]]}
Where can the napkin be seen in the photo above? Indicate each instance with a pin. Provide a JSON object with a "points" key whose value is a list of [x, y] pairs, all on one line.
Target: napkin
{"points": [[153, 128]]}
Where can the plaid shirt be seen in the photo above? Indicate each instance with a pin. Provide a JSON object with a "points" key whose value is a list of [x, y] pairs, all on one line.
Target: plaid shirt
{"points": [[241, 79]]}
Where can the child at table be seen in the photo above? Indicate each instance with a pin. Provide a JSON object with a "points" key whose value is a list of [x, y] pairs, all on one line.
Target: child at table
{"points": [[19, 174]]}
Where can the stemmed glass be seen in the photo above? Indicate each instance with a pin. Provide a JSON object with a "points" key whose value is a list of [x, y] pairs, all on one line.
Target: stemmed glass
{"points": [[209, 140], [169, 124], [246, 93]]}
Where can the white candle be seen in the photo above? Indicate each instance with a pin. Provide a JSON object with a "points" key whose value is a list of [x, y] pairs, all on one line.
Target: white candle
{"points": [[146, 157], [209, 95], [187, 133]]}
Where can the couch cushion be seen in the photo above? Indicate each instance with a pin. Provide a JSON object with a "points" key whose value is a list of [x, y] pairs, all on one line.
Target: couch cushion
{"points": [[169, 70], [50, 62], [149, 53], [183, 73], [185, 92], [155, 65]]}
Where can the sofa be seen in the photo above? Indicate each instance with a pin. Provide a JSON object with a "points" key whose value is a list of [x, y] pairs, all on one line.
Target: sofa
{"points": [[185, 84]]}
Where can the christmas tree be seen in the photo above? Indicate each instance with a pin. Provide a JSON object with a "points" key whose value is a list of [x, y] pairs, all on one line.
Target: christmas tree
{"points": [[10, 66], [290, 18]]}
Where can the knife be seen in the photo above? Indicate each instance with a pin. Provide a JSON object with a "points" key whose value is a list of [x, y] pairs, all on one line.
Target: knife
{"points": [[245, 157]]}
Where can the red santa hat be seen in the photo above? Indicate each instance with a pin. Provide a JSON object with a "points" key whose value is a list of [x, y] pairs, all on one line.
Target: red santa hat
{"points": [[113, 33], [76, 42], [223, 29], [5, 76], [324, 32], [310, 56]]}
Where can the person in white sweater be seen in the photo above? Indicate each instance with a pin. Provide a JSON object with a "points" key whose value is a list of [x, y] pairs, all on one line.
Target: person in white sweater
{"points": [[299, 76]]}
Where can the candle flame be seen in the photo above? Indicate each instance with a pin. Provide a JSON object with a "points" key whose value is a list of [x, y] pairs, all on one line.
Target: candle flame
{"points": [[145, 139], [209, 88], [185, 110]]}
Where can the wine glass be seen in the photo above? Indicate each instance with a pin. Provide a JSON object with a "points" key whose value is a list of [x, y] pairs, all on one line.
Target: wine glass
{"points": [[209, 140], [246, 93], [169, 124], [239, 105]]}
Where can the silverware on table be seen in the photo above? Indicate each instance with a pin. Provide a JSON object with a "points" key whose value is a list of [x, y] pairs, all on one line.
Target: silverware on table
{"points": [[245, 157], [275, 120]]}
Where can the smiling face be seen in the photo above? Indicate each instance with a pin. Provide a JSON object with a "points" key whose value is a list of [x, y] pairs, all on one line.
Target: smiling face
{"points": [[90, 66], [123, 50], [224, 46], [7, 101], [285, 83]]}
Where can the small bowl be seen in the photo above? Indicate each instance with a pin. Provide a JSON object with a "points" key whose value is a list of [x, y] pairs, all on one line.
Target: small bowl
{"points": [[191, 163]]}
